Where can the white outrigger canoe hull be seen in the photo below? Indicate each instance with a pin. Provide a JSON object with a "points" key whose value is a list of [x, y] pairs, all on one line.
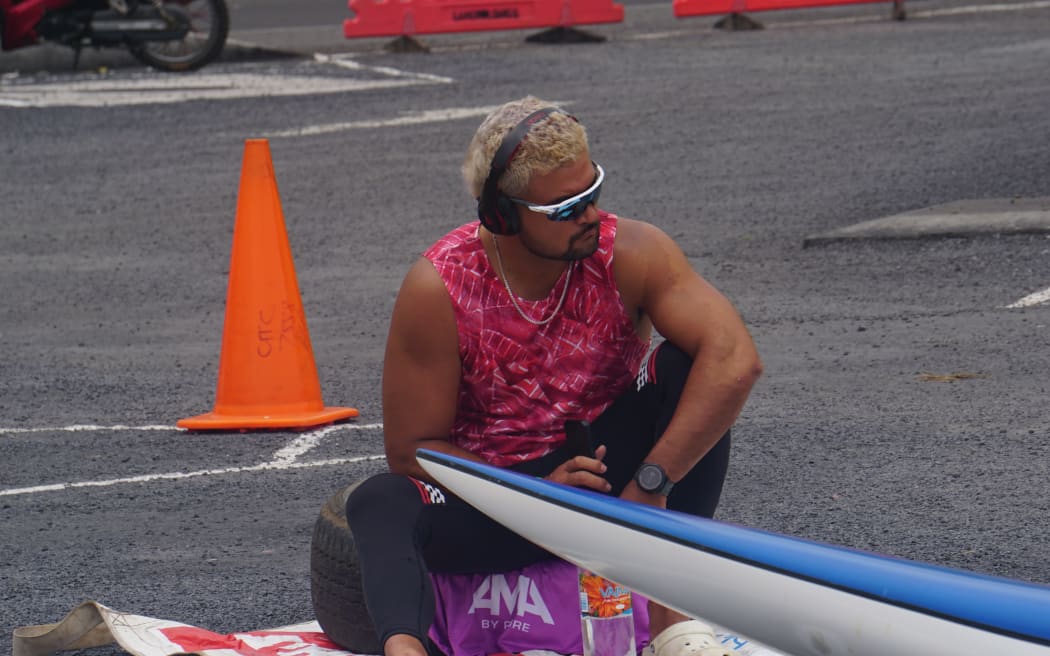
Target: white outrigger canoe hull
{"points": [[799, 596]]}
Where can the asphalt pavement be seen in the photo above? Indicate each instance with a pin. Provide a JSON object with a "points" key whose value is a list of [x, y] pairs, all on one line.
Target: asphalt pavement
{"points": [[903, 407]]}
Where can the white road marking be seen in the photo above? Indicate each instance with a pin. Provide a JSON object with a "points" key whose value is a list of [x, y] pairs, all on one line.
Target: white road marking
{"points": [[303, 444], [979, 9], [657, 36], [74, 428], [86, 427], [1037, 298], [426, 116], [346, 61], [176, 476], [284, 458], [110, 92]]}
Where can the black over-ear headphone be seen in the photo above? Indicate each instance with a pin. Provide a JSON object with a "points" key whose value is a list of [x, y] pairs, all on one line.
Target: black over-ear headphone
{"points": [[497, 211]]}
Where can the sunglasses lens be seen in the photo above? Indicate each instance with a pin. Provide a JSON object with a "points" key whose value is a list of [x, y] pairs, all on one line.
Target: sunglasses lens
{"points": [[581, 207], [571, 212]]}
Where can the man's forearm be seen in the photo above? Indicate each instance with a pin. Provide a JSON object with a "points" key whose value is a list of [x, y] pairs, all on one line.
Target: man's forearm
{"points": [[403, 461], [713, 396]]}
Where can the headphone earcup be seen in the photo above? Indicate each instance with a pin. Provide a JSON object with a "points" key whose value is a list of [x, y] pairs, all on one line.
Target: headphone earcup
{"points": [[489, 218], [499, 215], [509, 216]]}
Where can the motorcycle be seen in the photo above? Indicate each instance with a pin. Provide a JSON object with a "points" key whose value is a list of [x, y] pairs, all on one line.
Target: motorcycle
{"points": [[169, 35]]}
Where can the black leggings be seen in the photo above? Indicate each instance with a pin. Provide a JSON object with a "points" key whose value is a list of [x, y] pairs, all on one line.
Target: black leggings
{"points": [[400, 537]]}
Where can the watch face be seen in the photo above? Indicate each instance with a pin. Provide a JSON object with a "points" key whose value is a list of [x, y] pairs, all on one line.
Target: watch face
{"points": [[650, 478]]}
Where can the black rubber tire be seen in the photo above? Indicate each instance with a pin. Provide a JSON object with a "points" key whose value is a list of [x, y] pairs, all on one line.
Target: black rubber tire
{"points": [[335, 580], [159, 55]]}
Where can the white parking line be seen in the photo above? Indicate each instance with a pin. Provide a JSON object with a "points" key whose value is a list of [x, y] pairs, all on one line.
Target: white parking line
{"points": [[305, 443], [177, 476], [77, 428], [284, 458], [151, 91], [346, 61], [980, 9], [205, 85], [426, 116], [1038, 298]]}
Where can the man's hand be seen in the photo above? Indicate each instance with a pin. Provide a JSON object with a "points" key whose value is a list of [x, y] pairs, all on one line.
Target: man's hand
{"points": [[581, 471], [634, 493]]}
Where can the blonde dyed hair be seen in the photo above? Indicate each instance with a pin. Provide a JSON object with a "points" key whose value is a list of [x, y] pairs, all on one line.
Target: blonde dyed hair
{"points": [[555, 141]]}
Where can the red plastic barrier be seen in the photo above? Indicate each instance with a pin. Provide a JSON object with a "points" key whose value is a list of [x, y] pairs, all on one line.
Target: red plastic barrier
{"points": [[409, 17], [708, 7]]}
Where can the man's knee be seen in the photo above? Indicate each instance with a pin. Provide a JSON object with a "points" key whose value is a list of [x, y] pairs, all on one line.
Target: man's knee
{"points": [[378, 493], [667, 366]]}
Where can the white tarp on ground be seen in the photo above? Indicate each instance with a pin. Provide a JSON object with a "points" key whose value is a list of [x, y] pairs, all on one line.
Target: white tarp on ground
{"points": [[93, 625]]}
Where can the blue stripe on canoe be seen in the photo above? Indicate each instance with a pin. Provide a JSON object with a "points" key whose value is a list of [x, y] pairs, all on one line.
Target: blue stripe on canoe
{"points": [[1014, 608]]}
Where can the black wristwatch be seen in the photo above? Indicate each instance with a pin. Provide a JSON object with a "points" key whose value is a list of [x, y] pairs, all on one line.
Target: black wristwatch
{"points": [[652, 478]]}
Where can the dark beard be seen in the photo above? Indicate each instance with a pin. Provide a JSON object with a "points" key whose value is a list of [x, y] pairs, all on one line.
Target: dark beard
{"points": [[572, 253]]}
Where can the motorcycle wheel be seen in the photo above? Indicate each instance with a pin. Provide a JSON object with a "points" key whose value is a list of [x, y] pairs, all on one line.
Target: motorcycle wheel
{"points": [[209, 25]]}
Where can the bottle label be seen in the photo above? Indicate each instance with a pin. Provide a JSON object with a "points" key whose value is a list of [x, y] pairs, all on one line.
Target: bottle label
{"points": [[600, 597]]}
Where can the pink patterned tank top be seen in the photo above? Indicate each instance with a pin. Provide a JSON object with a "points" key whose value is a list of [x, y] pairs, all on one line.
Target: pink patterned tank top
{"points": [[520, 381]]}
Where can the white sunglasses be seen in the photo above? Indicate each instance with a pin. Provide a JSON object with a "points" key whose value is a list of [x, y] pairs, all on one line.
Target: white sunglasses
{"points": [[571, 208]]}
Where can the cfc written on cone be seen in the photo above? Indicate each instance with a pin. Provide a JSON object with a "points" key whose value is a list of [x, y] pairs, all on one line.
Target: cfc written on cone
{"points": [[267, 374]]}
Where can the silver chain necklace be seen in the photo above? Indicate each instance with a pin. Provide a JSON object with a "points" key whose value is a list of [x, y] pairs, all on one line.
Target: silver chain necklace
{"points": [[514, 298]]}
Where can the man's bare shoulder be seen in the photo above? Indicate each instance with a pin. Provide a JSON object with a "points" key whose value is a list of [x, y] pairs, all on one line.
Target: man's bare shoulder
{"points": [[637, 242], [641, 252], [422, 291], [422, 276]]}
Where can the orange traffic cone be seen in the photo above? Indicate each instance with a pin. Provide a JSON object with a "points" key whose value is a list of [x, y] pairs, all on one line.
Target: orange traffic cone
{"points": [[267, 375]]}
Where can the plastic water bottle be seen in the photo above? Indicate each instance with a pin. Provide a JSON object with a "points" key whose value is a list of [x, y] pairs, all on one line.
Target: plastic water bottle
{"points": [[606, 617]]}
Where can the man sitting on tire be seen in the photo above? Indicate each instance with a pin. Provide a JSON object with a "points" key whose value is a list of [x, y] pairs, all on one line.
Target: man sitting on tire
{"points": [[540, 312]]}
